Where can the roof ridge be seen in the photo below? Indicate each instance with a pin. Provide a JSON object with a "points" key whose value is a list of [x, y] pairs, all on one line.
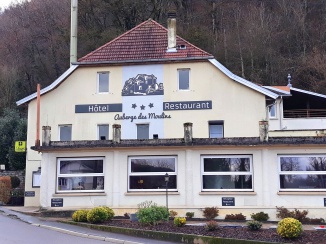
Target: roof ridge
{"points": [[120, 36]]}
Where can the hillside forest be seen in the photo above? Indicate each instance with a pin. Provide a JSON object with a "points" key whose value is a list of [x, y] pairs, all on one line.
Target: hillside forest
{"points": [[260, 40]]}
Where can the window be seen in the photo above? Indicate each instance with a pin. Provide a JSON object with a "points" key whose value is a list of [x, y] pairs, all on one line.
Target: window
{"points": [[103, 83], [227, 173], [103, 132], [302, 172], [64, 132], [146, 173], [143, 131], [80, 175], [183, 75], [216, 129], [272, 111]]}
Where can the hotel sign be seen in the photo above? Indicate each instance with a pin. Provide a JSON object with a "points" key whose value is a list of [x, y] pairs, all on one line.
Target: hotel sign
{"points": [[98, 108], [187, 105]]}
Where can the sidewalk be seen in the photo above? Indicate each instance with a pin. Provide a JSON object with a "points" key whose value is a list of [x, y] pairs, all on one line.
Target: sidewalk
{"points": [[30, 215]]}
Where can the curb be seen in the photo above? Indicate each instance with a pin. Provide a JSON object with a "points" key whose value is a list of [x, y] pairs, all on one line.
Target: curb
{"points": [[166, 236], [74, 233]]}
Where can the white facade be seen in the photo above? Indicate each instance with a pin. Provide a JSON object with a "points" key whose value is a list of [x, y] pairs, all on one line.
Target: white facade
{"points": [[218, 160]]}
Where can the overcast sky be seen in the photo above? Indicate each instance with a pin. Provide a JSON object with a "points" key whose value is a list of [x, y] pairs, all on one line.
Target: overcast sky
{"points": [[5, 3]]}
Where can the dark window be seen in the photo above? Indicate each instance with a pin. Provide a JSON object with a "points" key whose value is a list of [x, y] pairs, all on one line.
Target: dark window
{"points": [[183, 79], [216, 129], [148, 173], [143, 131]]}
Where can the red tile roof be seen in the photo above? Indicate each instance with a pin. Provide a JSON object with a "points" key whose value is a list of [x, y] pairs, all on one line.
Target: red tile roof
{"points": [[146, 42]]}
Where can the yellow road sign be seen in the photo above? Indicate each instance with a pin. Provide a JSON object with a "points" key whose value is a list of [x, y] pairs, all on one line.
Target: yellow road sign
{"points": [[20, 146]]}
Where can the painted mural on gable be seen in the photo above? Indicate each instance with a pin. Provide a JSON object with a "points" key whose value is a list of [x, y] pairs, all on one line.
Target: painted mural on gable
{"points": [[142, 84]]}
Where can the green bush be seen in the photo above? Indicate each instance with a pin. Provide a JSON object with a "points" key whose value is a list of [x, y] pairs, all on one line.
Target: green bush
{"points": [[190, 214], [261, 216], [152, 215], [15, 181], [211, 225], [109, 211], [179, 221], [254, 225], [97, 215], [80, 215], [210, 212], [289, 228]]}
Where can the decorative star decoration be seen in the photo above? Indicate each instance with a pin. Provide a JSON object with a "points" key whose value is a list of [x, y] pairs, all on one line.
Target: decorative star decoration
{"points": [[142, 107], [151, 105], [134, 106]]}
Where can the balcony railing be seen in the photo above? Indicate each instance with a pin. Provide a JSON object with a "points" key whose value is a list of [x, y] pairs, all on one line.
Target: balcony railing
{"points": [[304, 113]]}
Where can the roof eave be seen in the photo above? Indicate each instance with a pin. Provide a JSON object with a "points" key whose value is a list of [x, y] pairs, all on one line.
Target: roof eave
{"points": [[308, 92], [243, 81], [143, 60], [53, 85]]}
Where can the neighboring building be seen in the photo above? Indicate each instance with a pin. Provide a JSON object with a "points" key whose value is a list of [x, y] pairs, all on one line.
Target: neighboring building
{"points": [[150, 103]]}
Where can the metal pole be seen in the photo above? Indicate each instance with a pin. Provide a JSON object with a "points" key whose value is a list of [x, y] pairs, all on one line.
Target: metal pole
{"points": [[166, 187]]}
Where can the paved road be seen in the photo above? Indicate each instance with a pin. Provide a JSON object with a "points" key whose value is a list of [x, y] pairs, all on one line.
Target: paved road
{"points": [[20, 228], [14, 231]]}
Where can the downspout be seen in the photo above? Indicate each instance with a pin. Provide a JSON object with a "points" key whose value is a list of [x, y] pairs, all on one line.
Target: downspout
{"points": [[38, 107], [281, 113], [73, 31]]}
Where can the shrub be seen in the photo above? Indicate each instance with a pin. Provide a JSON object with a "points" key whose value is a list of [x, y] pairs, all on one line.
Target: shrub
{"points": [[80, 215], [254, 225], [97, 215], [146, 204], [190, 214], [110, 212], [179, 221], [211, 225], [152, 215], [173, 213], [15, 182], [239, 216], [210, 212], [289, 228], [5, 189], [296, 214], [261, 216]]}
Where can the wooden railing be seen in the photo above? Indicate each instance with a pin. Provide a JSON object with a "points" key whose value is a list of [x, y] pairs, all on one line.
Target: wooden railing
{"points": [[304, 113]]}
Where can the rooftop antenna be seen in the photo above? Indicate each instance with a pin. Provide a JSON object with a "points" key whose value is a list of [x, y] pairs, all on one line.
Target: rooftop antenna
{"points": [[289, 81]]}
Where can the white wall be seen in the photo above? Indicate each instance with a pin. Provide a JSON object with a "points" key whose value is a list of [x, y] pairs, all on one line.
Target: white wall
{"points": [[189, 197]]}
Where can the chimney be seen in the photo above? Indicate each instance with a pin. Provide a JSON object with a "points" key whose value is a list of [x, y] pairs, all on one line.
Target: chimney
{"points": [[187, 132], [116, 133], [46, 135], [73, 31], [263, 130], [172, 32]]}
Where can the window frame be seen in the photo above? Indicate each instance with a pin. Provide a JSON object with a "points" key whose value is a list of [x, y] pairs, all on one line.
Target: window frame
{"points": [[270, 109], [58, 175], [141, 124], [62, 126], [230, 173], [215, 122], [152, 173], [98, 82], [98, 131], [180, 70], [280, 172]]}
